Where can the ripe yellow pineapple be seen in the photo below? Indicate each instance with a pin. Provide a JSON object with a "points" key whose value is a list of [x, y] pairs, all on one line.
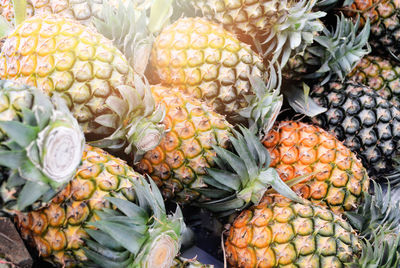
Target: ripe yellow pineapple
{"points": [[183, 155], [60, 55], [83, 11], [279, 232], [337, 178], [64, 232], [207, 62], [277, 29]]}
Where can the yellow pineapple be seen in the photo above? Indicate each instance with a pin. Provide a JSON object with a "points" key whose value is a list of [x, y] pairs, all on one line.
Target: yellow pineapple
{"points": [[337, 178], [83, 11], [102, 192], [279, 232], [183, 155], [207, 62], [282, 233], [60, 55]]}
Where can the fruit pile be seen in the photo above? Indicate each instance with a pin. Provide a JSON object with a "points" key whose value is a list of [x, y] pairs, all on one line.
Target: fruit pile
{"points": [[278, 119]]}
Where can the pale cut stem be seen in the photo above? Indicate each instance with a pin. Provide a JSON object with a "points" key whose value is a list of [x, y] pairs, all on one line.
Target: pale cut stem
{"points": [[62, 153], [162, 253]]}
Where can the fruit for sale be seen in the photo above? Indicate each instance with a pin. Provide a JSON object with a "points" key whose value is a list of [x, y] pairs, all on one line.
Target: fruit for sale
{"points": [[380, 74], [184, 153], [279, 232], [189, 263], [207, 62], [367, 123], [82, 11], [136, 42], [385, 24], [277, 29], [60, 55], [41, 145], [333, 55], [336, 178], [102, 195], [196, 136]]}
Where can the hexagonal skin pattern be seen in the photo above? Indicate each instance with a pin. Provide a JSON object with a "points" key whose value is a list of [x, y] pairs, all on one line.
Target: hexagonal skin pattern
{"points": [[336, 178], [279, 232], [57, 232], [56, 54], [206, 61], [183, 155]]}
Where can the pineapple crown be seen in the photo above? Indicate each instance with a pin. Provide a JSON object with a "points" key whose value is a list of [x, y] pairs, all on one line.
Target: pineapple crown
{"points": [[376, 211], [181, 262], [242, 178], [378, 222], [138, 234], [336, 53], [136, 120], [266, 104], [132, 30], [41, 144], [294, 32]]}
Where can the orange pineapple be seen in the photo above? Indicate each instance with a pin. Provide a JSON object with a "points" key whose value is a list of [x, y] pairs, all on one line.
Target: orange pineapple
{"points": [[57, 231], [279, 232], [337, 178], [183, 155]]}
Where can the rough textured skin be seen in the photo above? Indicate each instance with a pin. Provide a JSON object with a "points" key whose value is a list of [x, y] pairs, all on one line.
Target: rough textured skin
{"points": [[281, 233], [367, 123], [380, 74], [299, 149], [251, 17], [83, 11], [384, 17], [178, 162], [57, 232], [206, 61], [57, 54]]}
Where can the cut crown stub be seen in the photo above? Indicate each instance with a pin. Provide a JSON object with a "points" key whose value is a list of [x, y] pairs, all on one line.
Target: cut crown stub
{"points": [[162, 252], [62, 154]]}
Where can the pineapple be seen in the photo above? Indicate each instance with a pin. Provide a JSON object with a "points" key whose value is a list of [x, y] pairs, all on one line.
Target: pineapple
{"points": [[367, 124], [333, 55], [189, 263], [82, 11], [380, 74], [238, 90], [180, 163], [207, 62], [82, 222], [385, 24], [336, 178], [276, 29], [60, 55], [185, 151], [41, 145], [281, 233]]}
